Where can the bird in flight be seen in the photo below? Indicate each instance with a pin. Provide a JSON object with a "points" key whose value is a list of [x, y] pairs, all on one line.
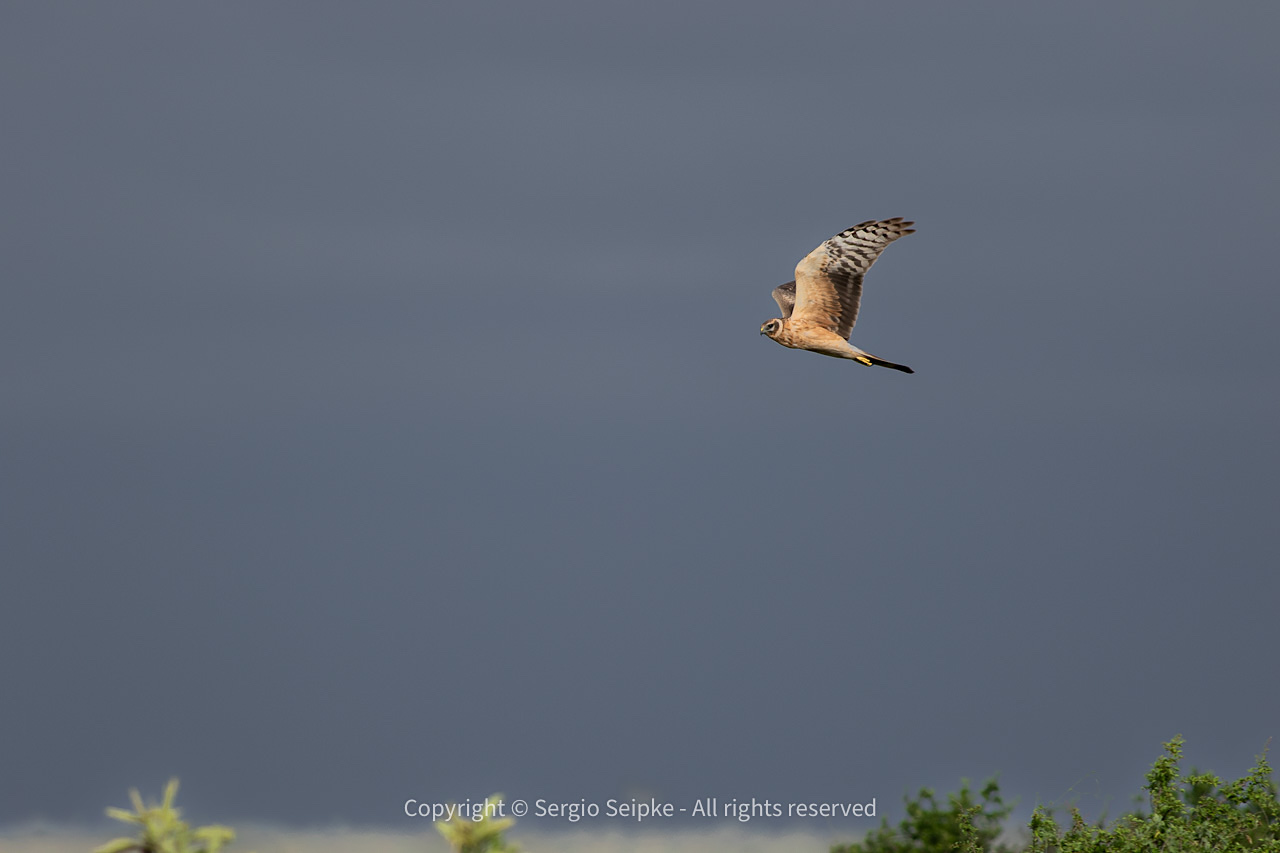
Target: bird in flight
{"points": [[820, 307]]}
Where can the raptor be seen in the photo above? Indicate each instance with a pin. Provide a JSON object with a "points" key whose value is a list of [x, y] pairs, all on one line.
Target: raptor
{"points": [[820, 307]]}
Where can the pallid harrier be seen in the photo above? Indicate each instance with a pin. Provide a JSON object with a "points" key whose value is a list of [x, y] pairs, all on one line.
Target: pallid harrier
{"points": [[820, 307]]}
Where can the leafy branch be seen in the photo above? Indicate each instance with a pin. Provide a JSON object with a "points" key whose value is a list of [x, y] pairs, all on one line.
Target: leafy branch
{"points": [[163, 830]]}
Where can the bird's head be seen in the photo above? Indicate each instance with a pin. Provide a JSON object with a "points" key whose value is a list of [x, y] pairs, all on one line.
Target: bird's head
{"points": [[771, 328]]}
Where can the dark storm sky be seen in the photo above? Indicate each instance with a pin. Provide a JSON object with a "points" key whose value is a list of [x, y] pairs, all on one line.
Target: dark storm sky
{"points": [[384, 413]]}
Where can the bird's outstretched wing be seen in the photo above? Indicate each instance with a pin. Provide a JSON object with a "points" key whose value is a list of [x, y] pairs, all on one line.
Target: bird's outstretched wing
{"points": [[785, 296], [829, 279]]}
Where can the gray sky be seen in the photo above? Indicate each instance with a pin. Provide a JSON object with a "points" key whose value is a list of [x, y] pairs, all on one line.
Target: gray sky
{"points": [[384, 413]]}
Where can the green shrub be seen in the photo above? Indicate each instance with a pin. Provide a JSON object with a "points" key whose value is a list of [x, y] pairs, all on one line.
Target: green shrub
{"points": [[482, 835], [163, 830], [1195, 812], [929, 828], [1188, 813]]}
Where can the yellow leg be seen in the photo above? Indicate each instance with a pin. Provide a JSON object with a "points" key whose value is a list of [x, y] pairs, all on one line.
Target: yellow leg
{"points": [[862, 360]]}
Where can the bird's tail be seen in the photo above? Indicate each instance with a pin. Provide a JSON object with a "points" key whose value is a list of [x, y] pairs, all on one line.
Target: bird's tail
{"points": [[868, 359]]}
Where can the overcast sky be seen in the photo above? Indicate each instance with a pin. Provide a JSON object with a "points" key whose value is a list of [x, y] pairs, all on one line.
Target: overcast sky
{"points": [[384, 413]]}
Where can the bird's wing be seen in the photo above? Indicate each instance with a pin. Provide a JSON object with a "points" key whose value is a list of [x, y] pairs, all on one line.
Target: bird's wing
{"points": [[785, 296], [829, 279]]}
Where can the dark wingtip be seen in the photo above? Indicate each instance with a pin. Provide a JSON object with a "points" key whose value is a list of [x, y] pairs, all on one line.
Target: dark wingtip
{"points": [[882, 363]]}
